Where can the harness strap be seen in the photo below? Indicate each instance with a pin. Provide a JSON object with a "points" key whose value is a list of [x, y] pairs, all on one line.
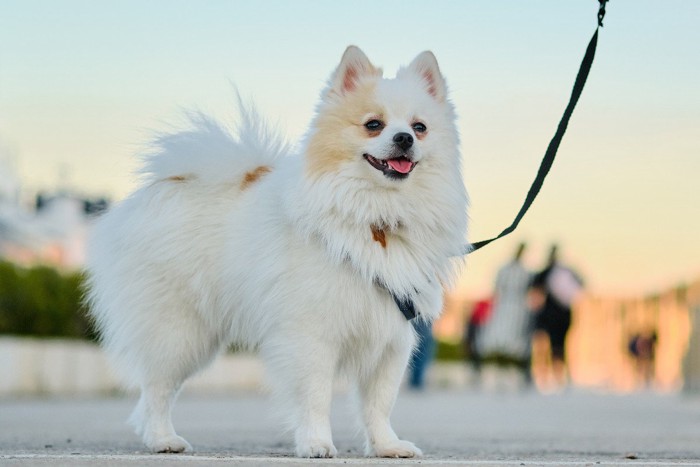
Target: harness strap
{"points": [[406, 306]]}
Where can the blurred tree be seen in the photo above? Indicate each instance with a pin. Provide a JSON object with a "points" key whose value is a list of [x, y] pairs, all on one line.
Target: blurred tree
{"points": [[40, 301]]}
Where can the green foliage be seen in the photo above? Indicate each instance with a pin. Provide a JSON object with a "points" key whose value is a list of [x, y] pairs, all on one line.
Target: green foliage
{"points": [[503, 360], [447, 351], [42, 302]]}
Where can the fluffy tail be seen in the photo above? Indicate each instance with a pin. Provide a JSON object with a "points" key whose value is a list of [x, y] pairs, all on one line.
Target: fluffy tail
{"points": [[212, 154]]}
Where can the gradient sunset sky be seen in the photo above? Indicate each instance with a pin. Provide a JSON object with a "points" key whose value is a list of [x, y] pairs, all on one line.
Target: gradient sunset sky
{"points": [[83, 84]]}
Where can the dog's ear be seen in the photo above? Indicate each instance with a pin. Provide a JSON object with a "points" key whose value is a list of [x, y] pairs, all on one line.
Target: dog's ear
{"points": [[354, 66], [425, 66]]}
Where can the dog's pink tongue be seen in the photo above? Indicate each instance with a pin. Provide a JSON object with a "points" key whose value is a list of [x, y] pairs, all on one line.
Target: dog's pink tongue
{"points": [[400, 165]]}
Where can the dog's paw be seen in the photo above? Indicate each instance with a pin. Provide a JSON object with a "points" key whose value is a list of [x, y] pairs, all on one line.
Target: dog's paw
{"points": [[316, 448], [169, 444], [398, 448]]}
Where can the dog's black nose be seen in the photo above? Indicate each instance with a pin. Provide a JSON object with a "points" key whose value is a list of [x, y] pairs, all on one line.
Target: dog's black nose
{"points": [[403, 140]]}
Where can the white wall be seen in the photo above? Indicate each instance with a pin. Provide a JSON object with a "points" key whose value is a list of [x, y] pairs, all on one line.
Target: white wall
{"points": [[62, 367], [30, 367]]}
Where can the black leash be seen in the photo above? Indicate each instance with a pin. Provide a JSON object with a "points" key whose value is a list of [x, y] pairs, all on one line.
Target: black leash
{"points": [[551, 152], [406, 305]]}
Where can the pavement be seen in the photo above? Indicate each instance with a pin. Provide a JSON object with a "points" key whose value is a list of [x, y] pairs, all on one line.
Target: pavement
{"points": [[470, 428]]}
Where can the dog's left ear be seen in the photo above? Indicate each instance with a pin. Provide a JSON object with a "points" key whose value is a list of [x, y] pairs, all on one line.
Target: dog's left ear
{"points": [[425, 66], [353, 68]]}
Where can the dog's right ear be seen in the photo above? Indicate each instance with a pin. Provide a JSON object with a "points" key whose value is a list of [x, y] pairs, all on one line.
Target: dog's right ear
{"points": [[354, 66]]}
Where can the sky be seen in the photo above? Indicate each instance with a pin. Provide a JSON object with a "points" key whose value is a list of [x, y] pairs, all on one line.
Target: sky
{"points": [[84, 85]]}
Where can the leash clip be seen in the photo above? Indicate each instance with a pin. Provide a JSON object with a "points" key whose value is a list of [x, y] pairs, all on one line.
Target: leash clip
{"points": [[601, 12]]}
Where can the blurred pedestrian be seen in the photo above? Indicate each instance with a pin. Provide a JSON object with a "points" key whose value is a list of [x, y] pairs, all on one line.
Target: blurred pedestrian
{"points": [[507, 335], [481, 312], [554, 290], [422, 355], [642, 348]]}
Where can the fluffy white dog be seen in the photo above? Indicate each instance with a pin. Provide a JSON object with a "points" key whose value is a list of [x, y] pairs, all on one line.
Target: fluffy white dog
{"points": [[299, 256]]}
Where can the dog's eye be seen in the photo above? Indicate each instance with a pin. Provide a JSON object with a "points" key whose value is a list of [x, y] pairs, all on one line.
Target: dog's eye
{"points": [[419, 127], [374, 125]]}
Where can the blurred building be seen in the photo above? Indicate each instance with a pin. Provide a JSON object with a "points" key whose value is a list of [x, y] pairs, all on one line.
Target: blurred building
{"points": [[52, 231], [598, 344]]}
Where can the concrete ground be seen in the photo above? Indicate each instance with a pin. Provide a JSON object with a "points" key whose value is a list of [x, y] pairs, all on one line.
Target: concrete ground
{"points": [[452, 428]]}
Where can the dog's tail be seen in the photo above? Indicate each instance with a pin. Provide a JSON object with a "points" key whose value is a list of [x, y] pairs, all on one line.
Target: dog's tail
{"points": [[210, 153]]}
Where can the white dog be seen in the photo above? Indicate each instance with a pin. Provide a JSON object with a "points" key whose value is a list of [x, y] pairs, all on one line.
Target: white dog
{"points": [[299, 256]]}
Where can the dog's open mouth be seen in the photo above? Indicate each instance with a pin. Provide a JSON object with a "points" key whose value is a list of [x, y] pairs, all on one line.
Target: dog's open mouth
{"points": [[397, 167]]}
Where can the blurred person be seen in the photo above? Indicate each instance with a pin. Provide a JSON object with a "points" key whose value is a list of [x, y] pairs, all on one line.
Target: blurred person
{"points": [[422, 355], [477, 319], [553, 291], [642, 348], [507, 335]]}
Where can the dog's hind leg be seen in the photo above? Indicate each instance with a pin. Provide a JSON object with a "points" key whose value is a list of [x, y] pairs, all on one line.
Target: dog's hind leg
{"points": [[173, 355], [378, 390], [153, 420]]}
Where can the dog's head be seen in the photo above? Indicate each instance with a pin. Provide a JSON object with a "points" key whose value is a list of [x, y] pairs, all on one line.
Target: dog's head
{"points": [[383, 130]]}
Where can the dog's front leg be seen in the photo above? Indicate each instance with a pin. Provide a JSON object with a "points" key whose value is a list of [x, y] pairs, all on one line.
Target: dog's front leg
{"points": [[378, 390], [302, 379], [313, 436]]}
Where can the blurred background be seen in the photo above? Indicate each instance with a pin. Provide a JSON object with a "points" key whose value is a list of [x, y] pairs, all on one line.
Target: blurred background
{"points": [[85, 85]]}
